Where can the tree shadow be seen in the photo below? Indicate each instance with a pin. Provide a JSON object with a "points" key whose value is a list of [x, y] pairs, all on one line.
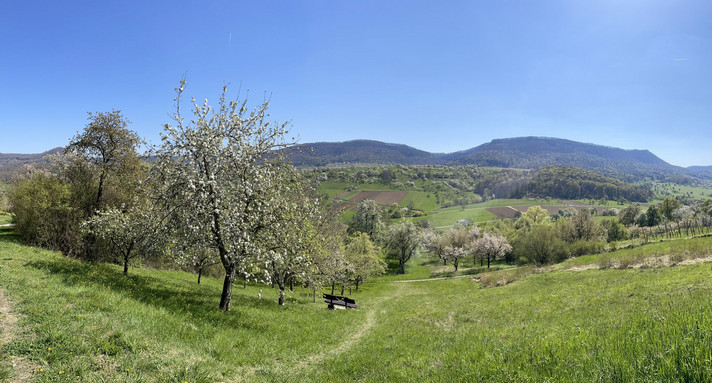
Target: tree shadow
{"points": [[7, 234], [171, 296]]}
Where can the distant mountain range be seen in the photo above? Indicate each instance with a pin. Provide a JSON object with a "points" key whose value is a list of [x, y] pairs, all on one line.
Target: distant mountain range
{"points": [[11, 162], [520, 152]]}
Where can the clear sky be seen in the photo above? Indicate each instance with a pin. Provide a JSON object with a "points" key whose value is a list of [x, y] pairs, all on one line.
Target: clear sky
{"points": [[437, 75]]}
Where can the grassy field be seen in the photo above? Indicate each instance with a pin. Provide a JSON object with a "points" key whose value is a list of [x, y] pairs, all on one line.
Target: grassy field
{"points": [[70, 320]]}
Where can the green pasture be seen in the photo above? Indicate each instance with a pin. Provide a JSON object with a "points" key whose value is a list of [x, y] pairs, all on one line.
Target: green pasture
{"points": [[87, 322], [421, 200]]}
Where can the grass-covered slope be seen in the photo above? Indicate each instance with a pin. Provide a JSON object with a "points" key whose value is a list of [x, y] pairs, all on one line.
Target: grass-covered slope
{"points": [[86, 321]]}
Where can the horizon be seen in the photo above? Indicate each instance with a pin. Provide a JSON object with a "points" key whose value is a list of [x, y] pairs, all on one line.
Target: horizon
{"points": [[431, 152], [633, 76]]}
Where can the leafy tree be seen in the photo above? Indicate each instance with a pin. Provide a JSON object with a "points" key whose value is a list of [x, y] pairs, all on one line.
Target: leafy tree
{"points": [[492, 246], [616, 231], [534, 215], [653, 216], [364, 258], [668, 206], [111, 148], [580, 227], [368, 219], [402, 240], [221, 180], [541, 245], [629, 215]]}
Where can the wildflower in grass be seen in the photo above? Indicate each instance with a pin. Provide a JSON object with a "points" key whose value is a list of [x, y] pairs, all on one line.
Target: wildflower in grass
{"points": [[49, 348]]}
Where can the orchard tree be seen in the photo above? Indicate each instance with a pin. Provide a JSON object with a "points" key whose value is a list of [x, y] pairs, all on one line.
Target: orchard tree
{"points": [[131, 233], [403, 240], [364, 257], [220, 177], [192, 256], [492, 246], [435, 243], [368, 219], [292, 240]]}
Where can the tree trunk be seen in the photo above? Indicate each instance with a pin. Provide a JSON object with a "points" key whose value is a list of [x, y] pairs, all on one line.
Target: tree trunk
{"points": [[200, 274], [126, 267], [488, 262], [226, 296], [333, 285], [291, 285], [456, 263], [402, 266], [281, 294], [342, 289], [356, 284], [314, 295]]}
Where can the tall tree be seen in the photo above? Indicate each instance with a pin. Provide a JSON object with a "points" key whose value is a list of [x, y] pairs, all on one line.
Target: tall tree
{"points": [[364, 258], [111, 147], [368, 219], [403, 240], [221, 178]]}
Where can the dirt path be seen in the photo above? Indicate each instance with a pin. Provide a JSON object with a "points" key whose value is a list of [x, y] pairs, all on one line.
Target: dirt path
{"points": [[8, 332], [375, 308]]}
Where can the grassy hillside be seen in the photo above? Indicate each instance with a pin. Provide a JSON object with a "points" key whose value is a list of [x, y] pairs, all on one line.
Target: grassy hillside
{"points": [[66, 320]]}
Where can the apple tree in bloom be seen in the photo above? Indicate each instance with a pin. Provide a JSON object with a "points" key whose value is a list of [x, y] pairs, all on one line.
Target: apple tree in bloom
{"points": [[220, 178], [364, 257], [131, 233], [492, 246], [403, 240], [292, 239]]}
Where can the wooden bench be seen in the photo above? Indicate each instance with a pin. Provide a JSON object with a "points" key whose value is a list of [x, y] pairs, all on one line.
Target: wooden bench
{"points": [[337, 302]]}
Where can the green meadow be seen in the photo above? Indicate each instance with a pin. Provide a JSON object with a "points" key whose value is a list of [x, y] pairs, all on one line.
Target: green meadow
{"points": [[67, 320]]}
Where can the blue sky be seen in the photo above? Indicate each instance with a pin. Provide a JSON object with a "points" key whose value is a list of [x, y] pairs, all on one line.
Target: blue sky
{"points": [[440, 76]]}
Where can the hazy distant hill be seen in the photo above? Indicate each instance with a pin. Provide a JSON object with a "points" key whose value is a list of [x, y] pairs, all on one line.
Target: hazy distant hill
{"points": [[11, 162], [521, 152]]}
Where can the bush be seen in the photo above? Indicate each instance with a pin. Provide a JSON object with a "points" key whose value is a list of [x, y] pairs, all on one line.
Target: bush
{"points": [[43, 215], [579, 248]]}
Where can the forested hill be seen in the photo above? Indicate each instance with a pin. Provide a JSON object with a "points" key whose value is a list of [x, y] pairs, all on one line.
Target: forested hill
{"points": [[522, 152], [572, 183], [534, 152], [360, 152]]}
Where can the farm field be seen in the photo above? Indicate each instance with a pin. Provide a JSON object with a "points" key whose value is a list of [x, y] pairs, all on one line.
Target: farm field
{"points": [[71, 320]]}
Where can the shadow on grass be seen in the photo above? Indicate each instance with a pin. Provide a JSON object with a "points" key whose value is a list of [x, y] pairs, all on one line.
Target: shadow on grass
{"points": [[171, 296], [7, 234], [472, 271]]}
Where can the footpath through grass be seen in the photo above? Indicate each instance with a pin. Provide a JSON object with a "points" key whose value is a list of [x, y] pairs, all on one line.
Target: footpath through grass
{"points": [[81, 321]]}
